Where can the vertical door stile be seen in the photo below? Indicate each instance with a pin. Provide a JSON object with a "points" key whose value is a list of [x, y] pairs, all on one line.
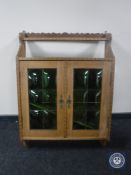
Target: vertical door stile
{"points": [[61, 98]]}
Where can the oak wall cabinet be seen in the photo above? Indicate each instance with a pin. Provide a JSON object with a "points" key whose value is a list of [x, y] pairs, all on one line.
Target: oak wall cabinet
{"points": [[65, 98]]}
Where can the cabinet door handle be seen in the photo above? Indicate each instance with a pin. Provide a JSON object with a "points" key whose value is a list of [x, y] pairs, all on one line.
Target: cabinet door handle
{"points": [[68, 102], [61, 101]]}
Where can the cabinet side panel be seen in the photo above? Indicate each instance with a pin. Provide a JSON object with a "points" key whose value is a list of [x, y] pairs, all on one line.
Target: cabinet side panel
{"points": [[105, 100], [112, 70], [106, 105], [19, 99]]}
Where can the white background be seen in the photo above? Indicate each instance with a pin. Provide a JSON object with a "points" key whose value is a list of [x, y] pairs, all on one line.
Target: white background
{"points": [[65, 16]]}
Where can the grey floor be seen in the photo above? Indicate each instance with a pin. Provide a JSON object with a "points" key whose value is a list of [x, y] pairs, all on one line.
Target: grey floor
{"points": [[66, 158]]}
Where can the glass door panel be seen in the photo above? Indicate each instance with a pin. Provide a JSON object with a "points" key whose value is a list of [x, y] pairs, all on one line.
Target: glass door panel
{"points": [[86, 98], [42, 92]]}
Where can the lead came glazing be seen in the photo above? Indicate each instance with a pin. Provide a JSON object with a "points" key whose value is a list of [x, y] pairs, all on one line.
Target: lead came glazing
{"points": [[42, 98], [87, 98]]}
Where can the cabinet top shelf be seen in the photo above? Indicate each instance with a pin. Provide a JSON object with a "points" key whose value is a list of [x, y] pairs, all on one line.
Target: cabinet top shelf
{"points": [[105, 38]]}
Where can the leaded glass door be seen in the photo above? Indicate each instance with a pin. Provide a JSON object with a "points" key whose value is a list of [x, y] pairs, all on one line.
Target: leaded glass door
{"points": [[86, 104], [43, 98]]}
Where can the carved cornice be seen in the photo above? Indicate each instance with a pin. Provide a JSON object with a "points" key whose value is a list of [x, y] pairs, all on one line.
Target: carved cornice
{"points": [[65, 36]]}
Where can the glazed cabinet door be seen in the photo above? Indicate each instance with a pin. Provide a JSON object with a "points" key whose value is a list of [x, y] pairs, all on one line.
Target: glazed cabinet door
{"points": [[88, 99], [42, 99]]}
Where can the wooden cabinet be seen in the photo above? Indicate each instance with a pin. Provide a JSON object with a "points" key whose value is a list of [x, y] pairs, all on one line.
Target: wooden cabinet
{"points": [[62, 98]]}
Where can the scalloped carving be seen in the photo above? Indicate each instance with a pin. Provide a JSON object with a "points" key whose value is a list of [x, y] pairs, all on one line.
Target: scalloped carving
{"points": [[65, 36]]}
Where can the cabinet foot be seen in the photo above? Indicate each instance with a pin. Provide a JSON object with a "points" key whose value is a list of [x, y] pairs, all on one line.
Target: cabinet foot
{"points": [[103, 142], [25, 144]]}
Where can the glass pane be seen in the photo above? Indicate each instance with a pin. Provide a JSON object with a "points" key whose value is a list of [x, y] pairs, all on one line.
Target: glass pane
{"points": [[86, 98], [42, 98]]}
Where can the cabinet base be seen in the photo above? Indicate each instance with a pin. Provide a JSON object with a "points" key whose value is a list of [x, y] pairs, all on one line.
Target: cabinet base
{"points": [[28, 143], [103, 142]]}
